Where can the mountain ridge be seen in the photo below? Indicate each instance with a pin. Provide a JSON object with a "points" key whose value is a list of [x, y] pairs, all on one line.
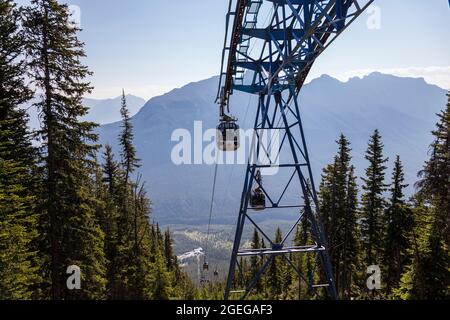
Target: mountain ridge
{"points": [[403, 109]]}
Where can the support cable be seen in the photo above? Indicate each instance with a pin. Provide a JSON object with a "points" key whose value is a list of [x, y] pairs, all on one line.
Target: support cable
{"points": [[211, 207]]}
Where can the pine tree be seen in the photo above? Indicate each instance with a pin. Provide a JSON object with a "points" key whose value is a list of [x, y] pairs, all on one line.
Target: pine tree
{"points": [[145, 250], [18, 220], [351, 246], [338, 199], [398, 221], [327, 203], [373, 203], [72, 232], [274, 274], [428, 276], [263, 280], [133, 208], [435, 177], [341, 169], [255, 261], [111, 172], [160, 278], [418, 280], [304, 262], [168, 251], [129, 160], [139, 242], [107, 185], [179, 278], [187, 289]]}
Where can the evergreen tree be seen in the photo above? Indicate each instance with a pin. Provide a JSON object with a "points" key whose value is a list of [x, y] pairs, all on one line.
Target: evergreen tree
{"points": [[129, 160], [341, 169], [108, 193], [145, 250], [373, 203], [18, 220], [140, 244], [160, 278], [435, 177], [134, 241], [143, 264], [255, 261], [327, 200], [304, 262], [263, 280], [168, 251], [72, 235], [111, 172], [187, 289], [339, 202], [398, 221], [418, 282], [351, 246], [274, 274], [428, 276]]}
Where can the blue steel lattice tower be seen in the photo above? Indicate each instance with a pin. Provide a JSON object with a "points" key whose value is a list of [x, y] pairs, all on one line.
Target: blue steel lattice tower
{"points": [[269, 49]]}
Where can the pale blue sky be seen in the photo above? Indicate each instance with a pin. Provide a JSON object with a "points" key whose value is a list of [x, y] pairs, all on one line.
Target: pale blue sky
{"points": [[151, 46]]}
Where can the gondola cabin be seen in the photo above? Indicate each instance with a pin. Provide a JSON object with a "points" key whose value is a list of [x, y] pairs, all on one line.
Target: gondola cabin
{"points": [[227, 136], [258, 200]]}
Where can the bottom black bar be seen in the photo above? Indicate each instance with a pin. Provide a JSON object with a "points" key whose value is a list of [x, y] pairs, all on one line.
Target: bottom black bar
{"points": [[225, 309]]}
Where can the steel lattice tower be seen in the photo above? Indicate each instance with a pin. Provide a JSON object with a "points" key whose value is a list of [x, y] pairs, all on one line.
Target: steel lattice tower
{"points": [[271, 59]]}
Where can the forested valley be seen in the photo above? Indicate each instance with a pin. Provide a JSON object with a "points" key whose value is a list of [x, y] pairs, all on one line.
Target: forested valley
{"points": [[67, 201]]}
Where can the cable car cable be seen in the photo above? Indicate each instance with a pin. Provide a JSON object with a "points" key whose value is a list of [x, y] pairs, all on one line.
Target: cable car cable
{"points": [[211, 207]]}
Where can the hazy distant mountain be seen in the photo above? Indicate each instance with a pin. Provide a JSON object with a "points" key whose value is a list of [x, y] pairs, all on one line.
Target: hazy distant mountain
{"points": [[403, 109], [100, 111], [108, 111]]}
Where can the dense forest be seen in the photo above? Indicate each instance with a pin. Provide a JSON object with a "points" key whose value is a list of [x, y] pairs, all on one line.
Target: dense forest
{"points": [[61, 206], [407, 238], [58, 206]]}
